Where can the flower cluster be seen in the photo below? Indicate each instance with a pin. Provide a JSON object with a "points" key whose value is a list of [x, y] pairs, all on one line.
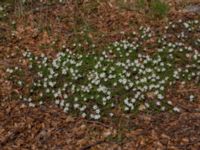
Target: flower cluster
{"points": [[121, 77]]}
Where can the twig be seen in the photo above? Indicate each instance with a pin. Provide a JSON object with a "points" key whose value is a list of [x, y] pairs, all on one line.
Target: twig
{"points": [[92, 145], [187, 90], [98, 123]]}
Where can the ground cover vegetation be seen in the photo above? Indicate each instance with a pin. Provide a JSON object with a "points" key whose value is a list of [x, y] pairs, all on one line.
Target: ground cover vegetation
{"points": [[120, 76]]}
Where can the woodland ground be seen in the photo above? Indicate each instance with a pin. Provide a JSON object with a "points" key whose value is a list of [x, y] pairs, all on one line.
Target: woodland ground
{"points": [[47, 126]]}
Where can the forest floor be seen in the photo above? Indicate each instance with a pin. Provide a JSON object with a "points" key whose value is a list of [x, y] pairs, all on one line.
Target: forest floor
{"points": [[36, 27]]}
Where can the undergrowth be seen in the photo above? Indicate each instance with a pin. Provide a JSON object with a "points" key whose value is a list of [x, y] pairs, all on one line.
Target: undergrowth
{"points": [[119, 78]]}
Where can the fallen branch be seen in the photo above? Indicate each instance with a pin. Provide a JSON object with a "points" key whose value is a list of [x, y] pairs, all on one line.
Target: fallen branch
{"points": [[92, 145]]}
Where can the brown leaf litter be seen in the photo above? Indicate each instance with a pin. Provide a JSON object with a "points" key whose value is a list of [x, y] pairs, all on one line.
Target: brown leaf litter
{"points": [[47, 127]]}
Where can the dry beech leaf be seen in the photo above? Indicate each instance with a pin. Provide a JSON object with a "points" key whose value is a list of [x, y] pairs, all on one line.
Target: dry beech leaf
{"points": [[142, 107]]}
